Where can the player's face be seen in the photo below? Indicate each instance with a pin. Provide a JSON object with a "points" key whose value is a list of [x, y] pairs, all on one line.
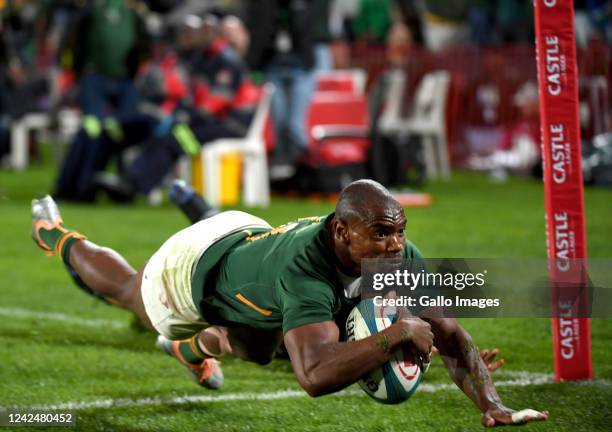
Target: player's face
{"points": [[380, 236]]}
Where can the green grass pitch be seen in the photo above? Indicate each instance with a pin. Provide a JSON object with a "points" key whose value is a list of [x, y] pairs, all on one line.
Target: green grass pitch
{"points": [[59, 347]]}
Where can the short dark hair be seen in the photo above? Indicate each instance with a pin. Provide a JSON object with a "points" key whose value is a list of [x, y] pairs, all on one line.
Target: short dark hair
{"points": [[358, 200]]}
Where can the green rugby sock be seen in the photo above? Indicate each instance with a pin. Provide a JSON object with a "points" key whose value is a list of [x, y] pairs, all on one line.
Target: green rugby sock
{"points": [[60, 240], [191, 351], [52, 236], [70, 241]]}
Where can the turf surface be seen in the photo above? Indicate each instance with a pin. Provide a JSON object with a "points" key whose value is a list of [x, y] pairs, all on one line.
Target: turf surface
{"points": [[46, 360]]}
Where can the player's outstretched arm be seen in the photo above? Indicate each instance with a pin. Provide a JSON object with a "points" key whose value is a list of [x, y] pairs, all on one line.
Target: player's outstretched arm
{"points": [[468, 370], [323, 364]]}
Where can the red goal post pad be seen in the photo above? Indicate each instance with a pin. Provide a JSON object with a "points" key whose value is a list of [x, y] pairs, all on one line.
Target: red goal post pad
{"points": [[563, 184]]}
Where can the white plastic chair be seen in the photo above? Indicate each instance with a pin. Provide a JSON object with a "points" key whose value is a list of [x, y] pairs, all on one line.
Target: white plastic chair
{"points": [[428, 119], [68, 122], [252, 148], [20, 130], [391, 117]]}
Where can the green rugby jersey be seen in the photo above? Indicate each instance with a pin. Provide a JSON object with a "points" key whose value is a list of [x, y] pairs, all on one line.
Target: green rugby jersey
{"points": [[273, 279]]}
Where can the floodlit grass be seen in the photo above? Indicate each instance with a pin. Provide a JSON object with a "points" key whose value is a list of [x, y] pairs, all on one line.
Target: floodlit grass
{"points": [[46, 361]]}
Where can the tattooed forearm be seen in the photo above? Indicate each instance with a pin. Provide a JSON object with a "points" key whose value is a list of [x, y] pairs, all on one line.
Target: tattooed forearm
{"points": [[479, 375], [478, 380]]}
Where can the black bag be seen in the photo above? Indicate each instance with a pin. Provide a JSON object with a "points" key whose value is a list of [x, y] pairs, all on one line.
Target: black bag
{"points": [[396, 161]]}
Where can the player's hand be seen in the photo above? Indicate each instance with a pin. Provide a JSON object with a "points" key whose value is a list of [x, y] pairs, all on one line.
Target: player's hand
{"points": [[489, 359], [499, 416], [419, 335]]}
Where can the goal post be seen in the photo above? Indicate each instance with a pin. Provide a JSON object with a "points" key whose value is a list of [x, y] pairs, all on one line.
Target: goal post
{"points": [[563, 184]]}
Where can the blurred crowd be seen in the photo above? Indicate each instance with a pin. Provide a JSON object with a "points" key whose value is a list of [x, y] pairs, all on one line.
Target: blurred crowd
{"points": [[167, 76]]}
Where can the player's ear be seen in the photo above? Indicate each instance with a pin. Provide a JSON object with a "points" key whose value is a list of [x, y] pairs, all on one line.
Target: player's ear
{"points": [[341, 231]]}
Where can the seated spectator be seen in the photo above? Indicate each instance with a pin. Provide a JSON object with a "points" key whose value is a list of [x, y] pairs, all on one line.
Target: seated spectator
{"points": [[22, 86], [222, 104], [519, 150], [398, 46], [392, 155], [163, 86]]}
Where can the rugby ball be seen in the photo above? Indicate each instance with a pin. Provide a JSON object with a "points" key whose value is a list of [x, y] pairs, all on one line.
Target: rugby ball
{"points": [[395, 381]]}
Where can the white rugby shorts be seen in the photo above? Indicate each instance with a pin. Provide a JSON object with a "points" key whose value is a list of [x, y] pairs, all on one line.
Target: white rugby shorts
{"points": [[166, 282]]}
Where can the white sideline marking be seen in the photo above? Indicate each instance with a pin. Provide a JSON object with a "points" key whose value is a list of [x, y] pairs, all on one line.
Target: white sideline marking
{"points": [[53, 316], [523, 379]]}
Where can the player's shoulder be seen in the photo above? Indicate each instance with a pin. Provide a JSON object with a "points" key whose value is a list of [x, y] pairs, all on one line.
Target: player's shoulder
{"points": [[289, 229], [310, 256], [411, 251], [311, 237]]}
